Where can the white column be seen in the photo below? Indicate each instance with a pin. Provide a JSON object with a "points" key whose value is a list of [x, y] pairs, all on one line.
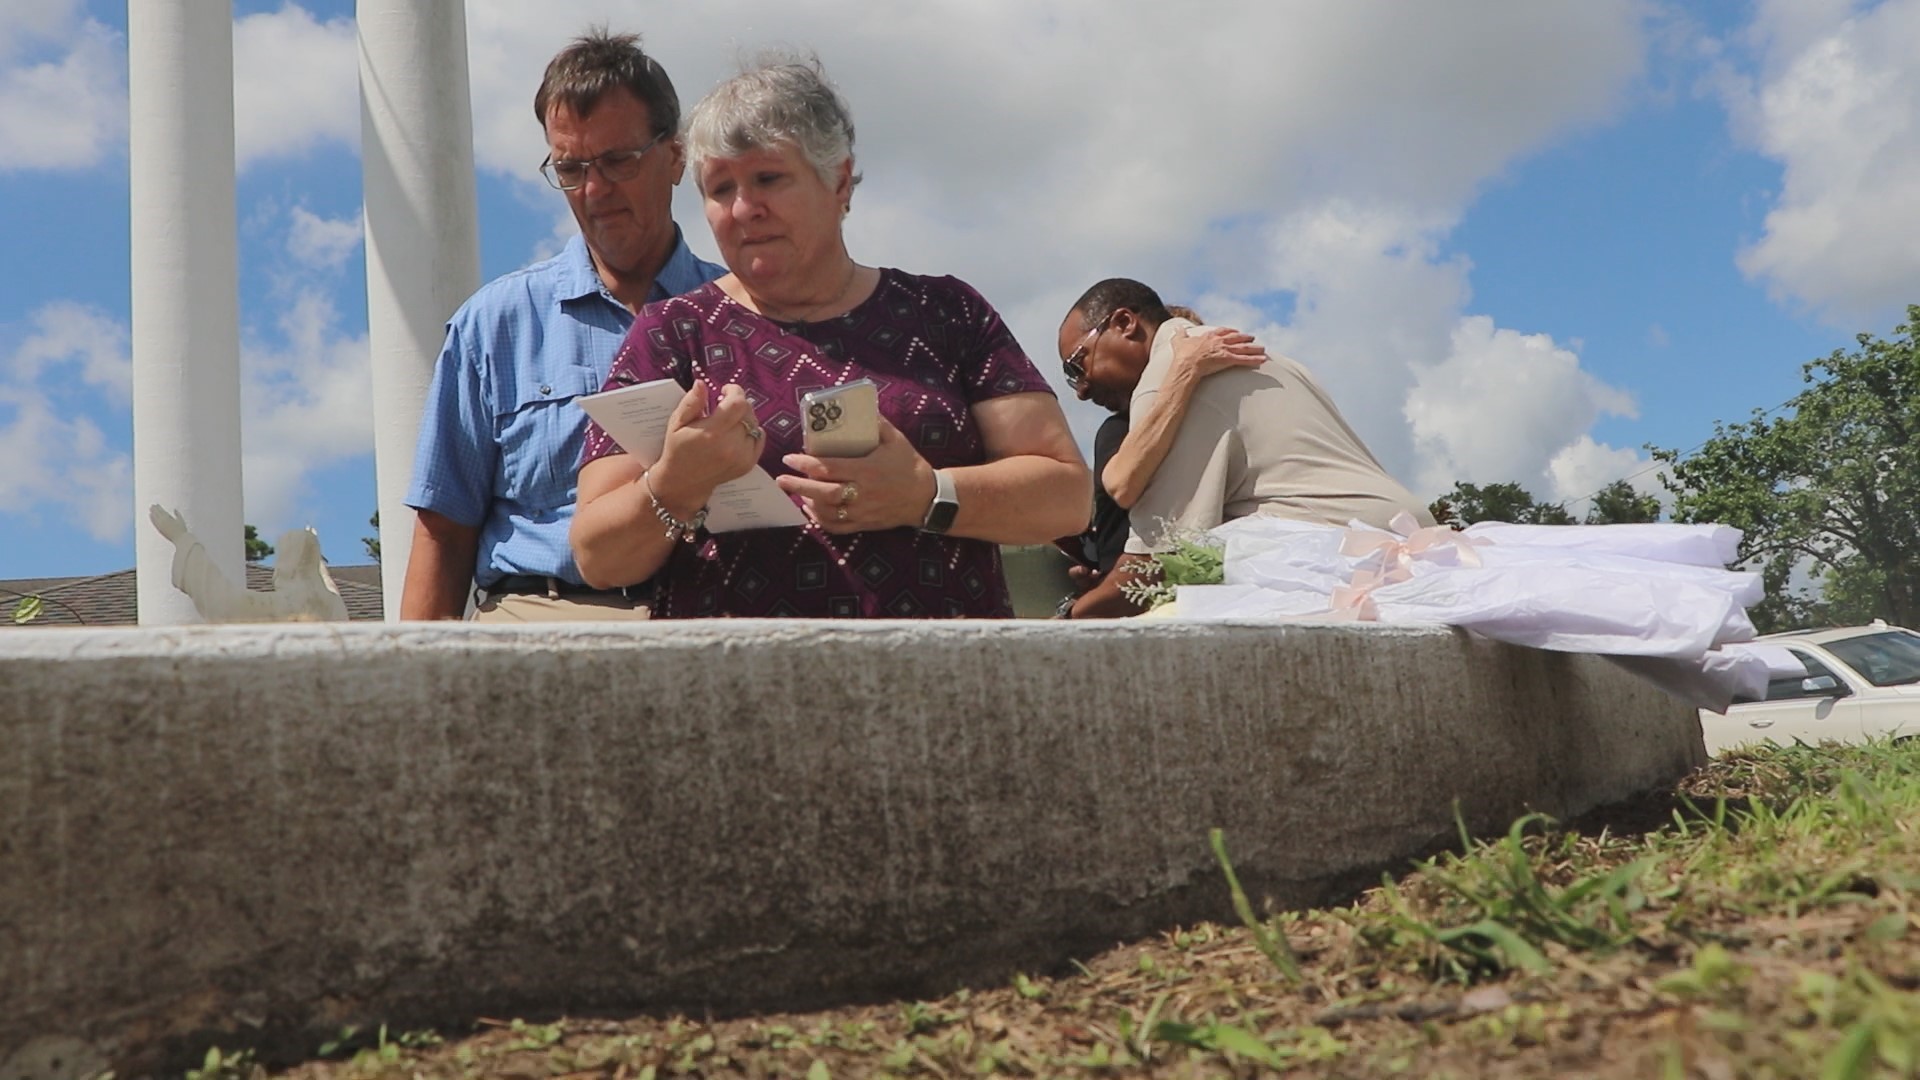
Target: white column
{"points": [[186, 319], [423, 247]]}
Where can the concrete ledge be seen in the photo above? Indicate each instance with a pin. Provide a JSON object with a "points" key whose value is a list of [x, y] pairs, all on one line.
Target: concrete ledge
{"points": [[266, 832]]}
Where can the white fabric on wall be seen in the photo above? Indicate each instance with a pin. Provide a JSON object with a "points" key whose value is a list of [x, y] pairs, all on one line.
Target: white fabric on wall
{"points": [[1658, 593]]}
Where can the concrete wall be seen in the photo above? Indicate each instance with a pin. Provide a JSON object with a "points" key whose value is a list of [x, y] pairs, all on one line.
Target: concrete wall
{"points": [[246, 833]]}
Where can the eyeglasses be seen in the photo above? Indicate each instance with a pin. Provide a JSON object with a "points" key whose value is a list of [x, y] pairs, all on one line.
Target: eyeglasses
{"points": [[1075, 365], [616, 166]]}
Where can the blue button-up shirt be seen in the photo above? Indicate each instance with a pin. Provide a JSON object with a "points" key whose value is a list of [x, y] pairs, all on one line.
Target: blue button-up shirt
{"points": [[500, 441]]}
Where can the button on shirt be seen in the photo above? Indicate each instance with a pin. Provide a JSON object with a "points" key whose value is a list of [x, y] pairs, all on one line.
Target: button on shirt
{"points": [[500, 441]]}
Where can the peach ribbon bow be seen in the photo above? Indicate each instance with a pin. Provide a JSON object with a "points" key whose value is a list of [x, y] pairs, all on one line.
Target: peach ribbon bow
{"points": [[1354, 602], [1398, 552]]}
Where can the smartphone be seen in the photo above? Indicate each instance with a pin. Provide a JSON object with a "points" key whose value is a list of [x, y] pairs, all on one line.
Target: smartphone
{"points": [[1077, 549], [841, 421]]}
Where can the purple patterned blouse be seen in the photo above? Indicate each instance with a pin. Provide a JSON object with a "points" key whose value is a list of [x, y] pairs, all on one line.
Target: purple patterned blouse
{"points": [[934, 346]]}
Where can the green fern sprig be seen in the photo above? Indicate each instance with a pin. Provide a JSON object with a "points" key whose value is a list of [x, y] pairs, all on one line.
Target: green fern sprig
{"points": [[1194, 560]]}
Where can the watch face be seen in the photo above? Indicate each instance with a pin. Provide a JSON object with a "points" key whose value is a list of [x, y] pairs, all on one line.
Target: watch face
{"points": [[946, 504], [940, 516]]}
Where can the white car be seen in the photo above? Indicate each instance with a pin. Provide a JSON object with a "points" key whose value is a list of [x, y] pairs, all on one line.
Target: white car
{"points": [[1861, 682]]}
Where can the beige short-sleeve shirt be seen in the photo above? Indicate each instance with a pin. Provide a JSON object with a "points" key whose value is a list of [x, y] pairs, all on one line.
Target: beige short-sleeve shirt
{"points": [[1265, 440]]}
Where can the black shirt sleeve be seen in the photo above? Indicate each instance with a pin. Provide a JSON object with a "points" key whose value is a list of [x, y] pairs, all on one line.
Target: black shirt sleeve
{"points": [[1107, 532]]}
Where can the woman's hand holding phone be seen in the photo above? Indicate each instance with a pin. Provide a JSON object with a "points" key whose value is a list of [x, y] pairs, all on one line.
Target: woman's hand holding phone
{"points": [[842, 421], [890, 487]]}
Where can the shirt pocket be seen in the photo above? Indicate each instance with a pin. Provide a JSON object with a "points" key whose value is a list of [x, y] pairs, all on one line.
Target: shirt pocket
{"points": [[541, 430]]}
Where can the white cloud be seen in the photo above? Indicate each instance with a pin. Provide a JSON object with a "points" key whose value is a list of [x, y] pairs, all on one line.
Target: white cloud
{"points": [[565, 228], [304, 407], [28, 22], [63, 87], [1306, 187], [61, 463], [1834, 96], [1585, 466], [1406, 104], [305, 381], [1501, 400], [296, 85], [1328, 165], [1440, 395], [323, 243], [1374, 299], [69, 333], [305, 389], [57, 457]]}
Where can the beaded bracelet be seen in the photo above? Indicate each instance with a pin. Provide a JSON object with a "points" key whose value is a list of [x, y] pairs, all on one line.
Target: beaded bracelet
{"points": [[676, 529]]}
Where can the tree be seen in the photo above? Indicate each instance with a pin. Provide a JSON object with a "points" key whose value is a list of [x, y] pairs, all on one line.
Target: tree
{"points": [[257, 549], [1619, 504], [1829, 489], [372, 543], [1471, 503]]}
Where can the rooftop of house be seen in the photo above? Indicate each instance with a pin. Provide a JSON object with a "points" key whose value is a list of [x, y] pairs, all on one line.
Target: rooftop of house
{"points": [[112, 599]]}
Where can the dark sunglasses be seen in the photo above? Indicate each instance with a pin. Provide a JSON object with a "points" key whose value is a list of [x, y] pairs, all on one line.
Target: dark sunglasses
{"points": [[1075, 365]]}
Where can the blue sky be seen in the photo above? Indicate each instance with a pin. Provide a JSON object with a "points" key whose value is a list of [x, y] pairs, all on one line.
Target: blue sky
{"points": [[1517, 241], [1622, 240]]}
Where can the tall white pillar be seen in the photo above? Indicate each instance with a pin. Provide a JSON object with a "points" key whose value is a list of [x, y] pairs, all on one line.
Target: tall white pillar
{"points": [[186, 316], [423, 246]]}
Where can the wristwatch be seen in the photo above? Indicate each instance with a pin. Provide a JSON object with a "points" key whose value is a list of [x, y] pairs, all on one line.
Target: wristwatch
{"points": [[945, 504]]}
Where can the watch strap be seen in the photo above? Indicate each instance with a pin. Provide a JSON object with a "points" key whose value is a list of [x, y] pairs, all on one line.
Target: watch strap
{"points": [[945, 505]]}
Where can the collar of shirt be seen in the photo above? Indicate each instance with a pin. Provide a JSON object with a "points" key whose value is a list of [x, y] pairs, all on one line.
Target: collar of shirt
{"points": [[683, 272]]}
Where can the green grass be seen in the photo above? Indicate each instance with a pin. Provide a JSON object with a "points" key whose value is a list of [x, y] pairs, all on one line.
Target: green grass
{"points": [[1756, 922]]}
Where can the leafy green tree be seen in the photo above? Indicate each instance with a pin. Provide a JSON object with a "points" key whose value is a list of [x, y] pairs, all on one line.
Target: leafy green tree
{"points": [[372, 543], [1830, 487], [1473, 503], [257, 549], [1619, 504]]}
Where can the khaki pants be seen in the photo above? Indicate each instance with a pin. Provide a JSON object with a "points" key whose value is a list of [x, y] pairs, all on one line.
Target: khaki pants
{"points": [[532, 607]]}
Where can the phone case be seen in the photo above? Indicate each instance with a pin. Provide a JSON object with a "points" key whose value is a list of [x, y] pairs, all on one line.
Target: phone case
{"points": [[841, 421]]}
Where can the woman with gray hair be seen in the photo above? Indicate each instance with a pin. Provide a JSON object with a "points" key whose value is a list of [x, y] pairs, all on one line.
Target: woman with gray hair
{"points": [[973, 449]]}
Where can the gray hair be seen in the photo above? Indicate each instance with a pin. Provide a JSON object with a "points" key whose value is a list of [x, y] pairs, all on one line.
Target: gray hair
{"points": [[779, 98]]}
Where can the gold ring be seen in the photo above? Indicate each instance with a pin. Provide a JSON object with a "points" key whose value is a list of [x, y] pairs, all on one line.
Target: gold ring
{"points": [[753, 431], [849, 491], [840, 513]]}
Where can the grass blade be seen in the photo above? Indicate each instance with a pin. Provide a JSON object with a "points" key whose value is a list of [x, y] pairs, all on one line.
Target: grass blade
{"points": [[1273, 946]]}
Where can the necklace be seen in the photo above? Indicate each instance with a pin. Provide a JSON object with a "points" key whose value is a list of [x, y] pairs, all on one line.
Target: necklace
{"points": [[806, 314]]}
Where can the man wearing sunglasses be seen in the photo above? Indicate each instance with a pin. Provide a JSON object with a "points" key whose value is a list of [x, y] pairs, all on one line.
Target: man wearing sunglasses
{"points": [[1123, 462], [1262, 439], [493, 479]]}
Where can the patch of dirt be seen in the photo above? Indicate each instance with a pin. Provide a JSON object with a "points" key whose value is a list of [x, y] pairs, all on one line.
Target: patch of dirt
{"points": [[1726, 960]]}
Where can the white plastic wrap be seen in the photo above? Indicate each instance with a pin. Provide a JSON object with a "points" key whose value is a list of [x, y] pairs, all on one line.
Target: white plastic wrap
{"points": [[1692, 545], [1659, 592]]}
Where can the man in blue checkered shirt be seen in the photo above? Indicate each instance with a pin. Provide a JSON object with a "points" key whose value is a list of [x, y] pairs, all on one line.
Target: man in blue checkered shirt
{"points": [[493, 478]]}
